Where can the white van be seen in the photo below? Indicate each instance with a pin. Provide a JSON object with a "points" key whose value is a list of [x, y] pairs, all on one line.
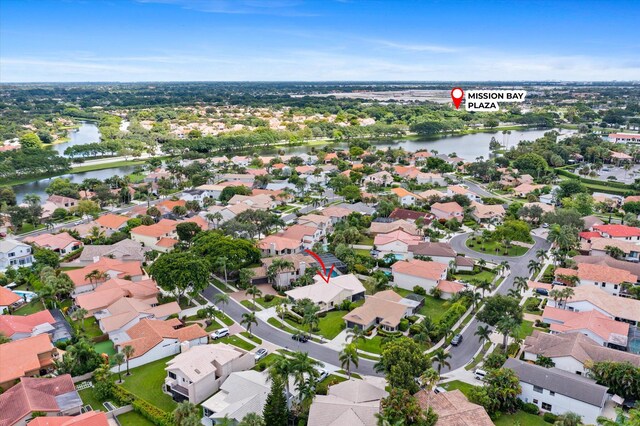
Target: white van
{"points": [[479, 374], [221, 332]]}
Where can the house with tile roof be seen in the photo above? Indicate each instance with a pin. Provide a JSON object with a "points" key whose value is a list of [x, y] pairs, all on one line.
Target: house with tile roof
{"points": [[308, 234], [619, 232], [18, 327], [329, 296], [242, 393], [393, 225], [607, 278], [61, 243], [406, 198], [453, 408], [438, 252], [411, 215], [396, 243], [62, 202], [573, 351], [126, 250], [385, 308], [408, 274], [525, 189], [112, 222], [126, 312], [114, 289], [112, 268], [284, 278], [557, 391], [276, 245], [55, 396], [336, 213], [446, 211], [90, 418], [152, 236], [380, 178], [448, 289], [7, 298], [593, 324], [198, 372], [153, 339], [30, 357], [461, 190], [600, 246], [487, 212], [353, 402]]}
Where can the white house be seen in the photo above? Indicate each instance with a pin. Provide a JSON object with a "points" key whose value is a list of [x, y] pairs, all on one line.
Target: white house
{"points": [[397, 243], [328, 296], [408, 274], [405, 197], [607, 278], [558, 391], [381, 178], [197, 373], [14, 254], [619, 232]]}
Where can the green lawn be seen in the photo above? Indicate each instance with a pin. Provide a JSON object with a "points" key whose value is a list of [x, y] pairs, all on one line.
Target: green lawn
{"points": [[105, 348], [520, 418], [461, 386], [480, 276], [274, 302], [222, 286], [224, 318], [267, 361], [30, 308], [433, 308], [372, 345], [27, 227], [237, 341], [249, 305], [365, 241], [491, 246], [146, 383], [133, 419], [476, 360], [332, 324], [277, 324], [215, 325], [91, 327], [526, 328], [88, 398], [256, 339]]}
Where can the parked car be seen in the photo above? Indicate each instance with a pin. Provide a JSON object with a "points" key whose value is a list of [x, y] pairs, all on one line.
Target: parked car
{"points": [[261, 353], [457, 339], [322, 374], [302, 338], [439, 389], [220, 333], [479, 374], [542, 291]]}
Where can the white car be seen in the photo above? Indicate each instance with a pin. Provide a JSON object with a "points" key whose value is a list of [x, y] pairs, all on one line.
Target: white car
{"points": [[222, 332], [261, 353]]}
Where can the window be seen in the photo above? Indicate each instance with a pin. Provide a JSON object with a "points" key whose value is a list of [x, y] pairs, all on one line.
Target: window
{"points": [[552, 393], [537, 389], [546, 406], [172, 375], [535, 401]]}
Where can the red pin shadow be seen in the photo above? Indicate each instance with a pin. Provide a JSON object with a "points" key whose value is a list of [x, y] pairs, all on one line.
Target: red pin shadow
{"points": [[322, 271]]}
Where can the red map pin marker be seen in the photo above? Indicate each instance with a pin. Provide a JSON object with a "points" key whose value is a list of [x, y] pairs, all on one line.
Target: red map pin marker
{"points": [[457, 94]]}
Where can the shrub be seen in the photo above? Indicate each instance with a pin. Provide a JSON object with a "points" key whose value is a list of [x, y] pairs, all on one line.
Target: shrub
{"points": [[530, 408], [103, 390], [419, 290], [404, 324], [495, 360], [122, 396], [413, 318], [262, 366], [413, 329], [361, 269], [268, 298], [153, 413], [549, 417]]}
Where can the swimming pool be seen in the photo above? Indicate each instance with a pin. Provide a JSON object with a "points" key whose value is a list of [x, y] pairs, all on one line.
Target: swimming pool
{"points": [[634, 346], [26, 295]]}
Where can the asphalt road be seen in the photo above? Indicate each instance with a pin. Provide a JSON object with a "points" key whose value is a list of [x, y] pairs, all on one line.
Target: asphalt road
{"points": [[267, 332], [463, 353]]}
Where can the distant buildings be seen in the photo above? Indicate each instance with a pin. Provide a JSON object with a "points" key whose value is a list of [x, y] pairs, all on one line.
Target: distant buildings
{"points": [[14, 254]]}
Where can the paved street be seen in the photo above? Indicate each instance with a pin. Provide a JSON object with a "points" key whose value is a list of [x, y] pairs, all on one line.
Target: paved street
{"points": [[461, 354], [280, 338]]}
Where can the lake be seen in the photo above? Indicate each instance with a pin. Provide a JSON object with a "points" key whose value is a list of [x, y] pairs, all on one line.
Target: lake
{"points": [[38, 187], [87, 133]]}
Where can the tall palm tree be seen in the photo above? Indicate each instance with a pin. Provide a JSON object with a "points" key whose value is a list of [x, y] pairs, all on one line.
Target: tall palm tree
{"points": [[281, 308], [248, 320], [440, 358], [282, 368], [128, 352], [354, 334], [521, 284], [506, 327], [184, 412], [534, 268], [96, 276], [422, 333], [483, 285], [504, 266], [254, 292], [484, 333], [221, 299], [542, 254], [428, 381], [221, 263], [118, 359], [513, 292], [79, 316], [278, 266], [302, 364], [348, 356]]}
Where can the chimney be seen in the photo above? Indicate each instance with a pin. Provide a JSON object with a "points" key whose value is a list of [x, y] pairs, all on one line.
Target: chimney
{"points": [[302, 267], [96, 259], [273, 248]]}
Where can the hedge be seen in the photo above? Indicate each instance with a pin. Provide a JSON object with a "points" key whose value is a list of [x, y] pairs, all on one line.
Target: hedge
{"points": [[613, 184], [530, 408], [149, 411], [549, 418]]}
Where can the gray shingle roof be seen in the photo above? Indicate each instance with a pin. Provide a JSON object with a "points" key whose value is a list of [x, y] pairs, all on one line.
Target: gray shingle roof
{"points": [[568, 384]]}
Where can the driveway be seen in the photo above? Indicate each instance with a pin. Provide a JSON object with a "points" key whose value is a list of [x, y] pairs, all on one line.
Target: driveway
{"points": [[266, 332], [464, 352]]}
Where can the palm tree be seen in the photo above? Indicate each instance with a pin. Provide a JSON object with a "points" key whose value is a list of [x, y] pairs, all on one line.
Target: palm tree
{"points": [[248, 319], [542, 254], [254, 292], [96, 276], [221, 263], [354, 334], [506, 327], [513, 292], [428, 381], [301, 365], [422, 332], [282, 368], [184, 412], [221, 299], [281, 308], [504, 266], [521, 284], [278, 266], [484, 333], [348, 356], [128, 352], [534, 268], [440, 358], [79, 316], [621, 418], [483, 285], [118, 359], [245, 276], [482, 263], [475, 299]]}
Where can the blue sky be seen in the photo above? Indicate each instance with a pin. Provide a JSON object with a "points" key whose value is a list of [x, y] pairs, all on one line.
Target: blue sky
{"points": [[281, 40]]}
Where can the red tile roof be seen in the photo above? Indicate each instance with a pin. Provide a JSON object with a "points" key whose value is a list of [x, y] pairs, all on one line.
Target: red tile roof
{"points": [[21, 356], [7, 297], [12, 324], [420, 268]]}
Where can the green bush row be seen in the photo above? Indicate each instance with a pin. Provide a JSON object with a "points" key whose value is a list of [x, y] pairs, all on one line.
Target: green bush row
{"points": [[149, 411], [613, 184]]}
